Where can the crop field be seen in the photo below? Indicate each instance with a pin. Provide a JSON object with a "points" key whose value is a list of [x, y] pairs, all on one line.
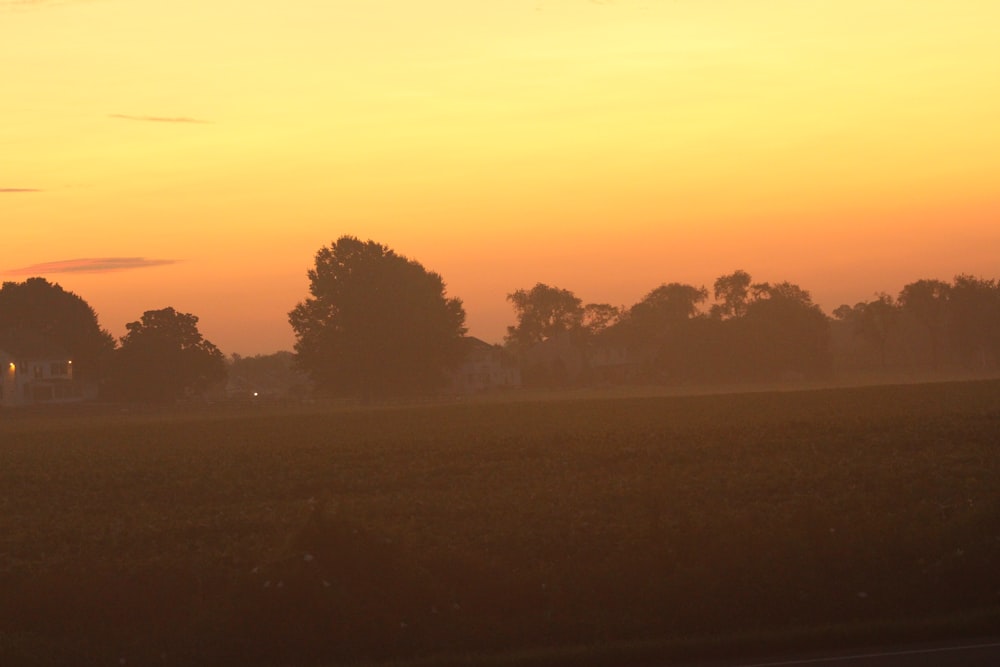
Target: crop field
{"points": [[318, 535]]}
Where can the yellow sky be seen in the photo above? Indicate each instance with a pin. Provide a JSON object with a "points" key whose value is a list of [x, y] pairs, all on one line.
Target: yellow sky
{"points": [[850, 146]]}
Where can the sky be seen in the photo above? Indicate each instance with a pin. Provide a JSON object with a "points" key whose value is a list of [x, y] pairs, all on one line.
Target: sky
{"points": [[197, 153]]}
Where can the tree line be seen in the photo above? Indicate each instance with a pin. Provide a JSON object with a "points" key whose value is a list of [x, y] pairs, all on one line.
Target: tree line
{"points": [[931, 324], [752, 331], [162, 356], [378, 324], [764, 331]]}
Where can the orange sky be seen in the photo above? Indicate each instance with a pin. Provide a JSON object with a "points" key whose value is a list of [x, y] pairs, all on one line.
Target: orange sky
{"points": [[849, 146]]}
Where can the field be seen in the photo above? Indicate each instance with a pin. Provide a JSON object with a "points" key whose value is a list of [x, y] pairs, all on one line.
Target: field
{"points": [[540, 531]]}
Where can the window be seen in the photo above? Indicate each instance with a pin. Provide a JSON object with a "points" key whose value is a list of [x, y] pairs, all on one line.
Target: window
{"points": [[59, 368]]}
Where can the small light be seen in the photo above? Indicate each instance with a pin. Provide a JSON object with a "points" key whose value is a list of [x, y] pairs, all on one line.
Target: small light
{"points": [[255, 394], [12, 366], [70, 362]]}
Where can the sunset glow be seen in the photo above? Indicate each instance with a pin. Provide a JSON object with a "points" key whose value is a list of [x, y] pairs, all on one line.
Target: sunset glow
{"points": [[198, 154]]}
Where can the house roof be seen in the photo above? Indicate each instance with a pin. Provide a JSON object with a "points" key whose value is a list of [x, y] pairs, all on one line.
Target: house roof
{"points": [[473, 344]]}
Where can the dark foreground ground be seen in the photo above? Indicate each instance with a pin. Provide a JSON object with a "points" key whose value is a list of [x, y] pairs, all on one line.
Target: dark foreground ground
{"points": [[982, 652], [589, 531]]}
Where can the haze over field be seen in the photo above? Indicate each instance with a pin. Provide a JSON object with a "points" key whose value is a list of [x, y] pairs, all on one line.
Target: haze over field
{"points": [[197, 154]]}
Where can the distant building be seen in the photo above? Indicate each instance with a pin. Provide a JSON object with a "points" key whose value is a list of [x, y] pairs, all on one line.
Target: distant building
{"points": [[484, 368], [266, 376], [617, 363], [34, 374], [574, 358]]}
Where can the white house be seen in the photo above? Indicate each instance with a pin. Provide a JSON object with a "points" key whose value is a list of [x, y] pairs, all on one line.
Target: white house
{"points": [[34, 377]]}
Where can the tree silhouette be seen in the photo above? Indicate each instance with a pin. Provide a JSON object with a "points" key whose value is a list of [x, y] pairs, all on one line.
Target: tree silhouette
{"points": [[974, 307], [873, 321], [598, 317], [926, 302], [377, 324], [664, 309], [662, 328], [164, 357], [542, 313], [46, 314], [785, 333], [731, 292]]}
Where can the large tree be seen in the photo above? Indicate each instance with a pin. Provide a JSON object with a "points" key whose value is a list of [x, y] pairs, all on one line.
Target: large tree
{"points": [[731, 292], [377, 324], [542, 313], [784, 332], [926, 303], [872, 321], [668, 305], [48, 315], [974, 307], [164, 357], [665, 324]]}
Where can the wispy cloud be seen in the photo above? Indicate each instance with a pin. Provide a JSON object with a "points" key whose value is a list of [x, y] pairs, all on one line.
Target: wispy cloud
{"points": [[10, 190], [90, 265], [160, 119]]}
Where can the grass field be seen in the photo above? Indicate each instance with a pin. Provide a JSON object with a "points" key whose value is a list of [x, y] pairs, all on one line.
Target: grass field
{"points": [[550, 530]]}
